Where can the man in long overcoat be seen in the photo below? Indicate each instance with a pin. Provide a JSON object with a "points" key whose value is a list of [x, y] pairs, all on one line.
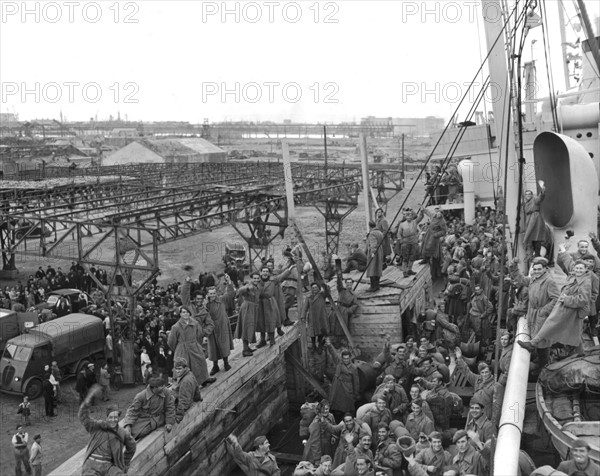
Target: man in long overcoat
{"points": [[375, 256], [543, 293], [345, 389], [269, 308], [382, 225], [246, 325], [185, 340], [535, 226], [565, 323], [315, 314], [220, 342], [431, 249]]}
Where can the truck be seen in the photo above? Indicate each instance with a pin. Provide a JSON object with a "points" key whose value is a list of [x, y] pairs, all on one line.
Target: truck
{"points": [[12, 324], [72, 341]]}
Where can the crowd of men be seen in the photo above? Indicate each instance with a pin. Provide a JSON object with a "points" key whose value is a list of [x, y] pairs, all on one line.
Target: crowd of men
{"points": [[407, 429]]}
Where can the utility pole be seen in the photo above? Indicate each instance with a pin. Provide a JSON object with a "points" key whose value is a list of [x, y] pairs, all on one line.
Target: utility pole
{"points": [[325, 141], [364, 156], [403, 172]]}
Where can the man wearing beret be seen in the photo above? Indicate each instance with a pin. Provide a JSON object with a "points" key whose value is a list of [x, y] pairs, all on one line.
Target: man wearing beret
{"points": [[185, 388], [468, 459], [104, 454], [478, 427], [580, 463], [259, 462], [152, 408]]}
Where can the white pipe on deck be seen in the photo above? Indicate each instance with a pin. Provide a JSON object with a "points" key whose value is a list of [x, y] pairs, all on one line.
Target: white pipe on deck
{"points": [[506, 457]]}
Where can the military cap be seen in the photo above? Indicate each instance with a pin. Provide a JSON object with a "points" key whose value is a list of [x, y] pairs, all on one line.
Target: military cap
{"points": [[458, 435]]}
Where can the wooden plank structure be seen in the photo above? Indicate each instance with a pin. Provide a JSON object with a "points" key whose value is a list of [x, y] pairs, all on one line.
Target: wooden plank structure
{"points": [[257, 391], [246, 401], [399, 300]]}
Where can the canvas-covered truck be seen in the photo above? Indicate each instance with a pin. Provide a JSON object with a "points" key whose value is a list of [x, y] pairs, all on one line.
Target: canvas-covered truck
{"points": [[12, 324], [73, 341]]}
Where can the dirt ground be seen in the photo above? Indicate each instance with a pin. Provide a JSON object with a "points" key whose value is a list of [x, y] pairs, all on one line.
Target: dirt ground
{"points": [[63, 436]]}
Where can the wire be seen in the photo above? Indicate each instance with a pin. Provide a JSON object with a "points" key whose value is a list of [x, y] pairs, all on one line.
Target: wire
{"points": [[520, 18], [550, 79], [584, 56]]}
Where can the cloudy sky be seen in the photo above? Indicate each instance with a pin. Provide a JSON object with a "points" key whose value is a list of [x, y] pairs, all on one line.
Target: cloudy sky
{"points": [[306, 61]]}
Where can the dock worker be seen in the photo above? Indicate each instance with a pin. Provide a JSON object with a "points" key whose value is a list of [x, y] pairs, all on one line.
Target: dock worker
{"points": [[111, 447], [259, 462]]}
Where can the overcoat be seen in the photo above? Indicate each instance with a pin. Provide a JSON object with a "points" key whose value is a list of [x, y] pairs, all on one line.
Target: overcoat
{"points": [[344, 386], [543, 293], [535, 226], [185, 341], [382, 225], [565, 322], [246, 325], [432, 240], [269, 312], [316, 315], [374, 253], [319, 439], [220, 342]]}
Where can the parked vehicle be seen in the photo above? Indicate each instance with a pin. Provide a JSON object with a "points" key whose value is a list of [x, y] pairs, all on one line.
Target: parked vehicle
{"points": [[24, 227], [12, 324], [236, 253], [72, 341], [74, 300]]}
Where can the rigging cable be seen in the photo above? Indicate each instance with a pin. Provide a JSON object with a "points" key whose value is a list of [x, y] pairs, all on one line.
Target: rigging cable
{"points": [[497, 39], [519, 114], [549, 76], [584, 56]]}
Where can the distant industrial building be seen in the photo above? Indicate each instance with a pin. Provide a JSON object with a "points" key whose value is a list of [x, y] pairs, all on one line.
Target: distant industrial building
{"points": [[168, 151], [414, 126]]}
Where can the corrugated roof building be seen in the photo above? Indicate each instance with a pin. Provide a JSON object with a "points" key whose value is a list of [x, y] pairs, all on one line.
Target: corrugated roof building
{"points": [[169, 151]]}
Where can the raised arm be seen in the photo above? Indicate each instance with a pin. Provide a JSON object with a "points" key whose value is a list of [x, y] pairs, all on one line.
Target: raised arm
{"points": [[516, 275], [185, 293], [84, 411]]}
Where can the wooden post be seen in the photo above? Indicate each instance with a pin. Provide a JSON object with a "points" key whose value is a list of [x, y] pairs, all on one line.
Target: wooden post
{"points": [[289, 193], [319, 279], [364, 157]]}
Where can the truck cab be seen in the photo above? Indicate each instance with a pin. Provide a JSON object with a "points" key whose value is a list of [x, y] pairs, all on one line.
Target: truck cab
{"points": [[72, 341]]}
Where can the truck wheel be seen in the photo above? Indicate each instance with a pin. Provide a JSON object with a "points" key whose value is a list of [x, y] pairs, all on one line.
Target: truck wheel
{"points": [[33, 388]]}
